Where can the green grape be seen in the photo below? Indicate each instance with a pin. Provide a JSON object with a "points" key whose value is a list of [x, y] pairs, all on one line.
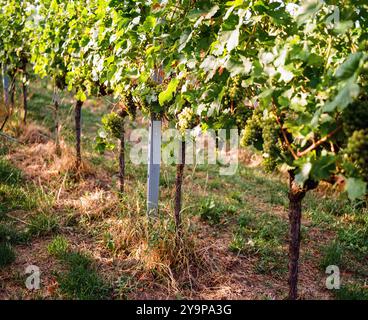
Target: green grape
{"points": [[252, 134], [357, 151], [60, 81], [263, 134], [114, 124], [242, 115], [186, 119], [235, 93], [129, 106], [271, 143], [235, 89]]}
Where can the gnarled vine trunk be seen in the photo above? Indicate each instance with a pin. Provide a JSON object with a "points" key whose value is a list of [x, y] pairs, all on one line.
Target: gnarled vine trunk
{"points": [[122, 161], [25, 105], [57, 124], [178, 186], [78, 115], [24, 91], [296, 196]]}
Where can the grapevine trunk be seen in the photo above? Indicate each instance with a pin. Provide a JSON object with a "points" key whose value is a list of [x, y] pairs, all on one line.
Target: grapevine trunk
{"points": [[57, 126], [122, 161], [25, 105], [178, 186], [78, 112], [296, 195]]}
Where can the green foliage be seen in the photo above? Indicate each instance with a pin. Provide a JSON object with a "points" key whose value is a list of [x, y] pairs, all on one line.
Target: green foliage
{"points": [[42, 224], [7, 255], [214, 212], [15, 32], [8, 173], [303, 76]]}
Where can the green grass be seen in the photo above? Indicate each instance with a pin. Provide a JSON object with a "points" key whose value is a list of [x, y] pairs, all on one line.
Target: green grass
{"points": [[7, 254], [9, 174], [58, 247], [351, 292], [16, 194], [42, 224], [332, 254], [81, 281], [265, 236], [214, 212]]}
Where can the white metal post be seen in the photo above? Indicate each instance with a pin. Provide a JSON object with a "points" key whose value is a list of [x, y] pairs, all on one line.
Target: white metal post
{"points": [[5, 85]]}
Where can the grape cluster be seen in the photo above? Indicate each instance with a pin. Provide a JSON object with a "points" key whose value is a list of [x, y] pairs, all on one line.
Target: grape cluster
{"points": [[252, 134], [234, 94], [186, 119], [129, 106], [60, 81], [114, 124], [264, 134], [272, 145]]}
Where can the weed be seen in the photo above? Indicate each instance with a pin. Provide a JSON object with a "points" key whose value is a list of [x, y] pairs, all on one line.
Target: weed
{"points": [[58, 247], [125, 285], [332, 255], [213, 212]]}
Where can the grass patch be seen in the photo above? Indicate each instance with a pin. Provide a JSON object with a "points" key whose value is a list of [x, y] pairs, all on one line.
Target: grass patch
{"points": [[332, 254], [58, 247], [214, 212], [354, 237], [8, 173], [42, 224], [351, 292], [7, 254], [81, 280], [264, 235], [9, 234]]}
